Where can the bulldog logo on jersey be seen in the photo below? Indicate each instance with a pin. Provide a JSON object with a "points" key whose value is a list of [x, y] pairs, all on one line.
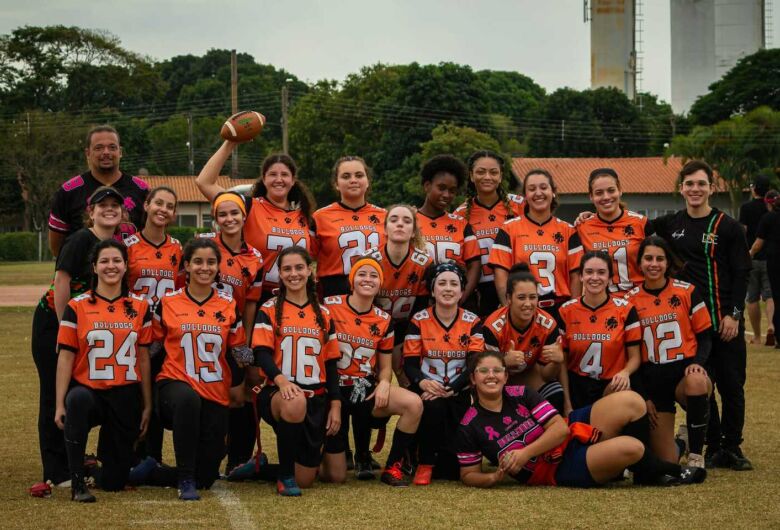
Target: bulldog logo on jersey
{"points": [[675, 301], [612, 323], [220, 317], [130, 311], [558, 237], [374, 219], [451, 229], [413, 278], [629, 230], [374, 330], [464, 340]]}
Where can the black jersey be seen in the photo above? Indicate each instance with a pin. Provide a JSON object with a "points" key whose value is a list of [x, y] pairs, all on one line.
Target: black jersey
{"points": [[750, 215], [70, 201], [74, 259], [715, 253], [484, 433]]}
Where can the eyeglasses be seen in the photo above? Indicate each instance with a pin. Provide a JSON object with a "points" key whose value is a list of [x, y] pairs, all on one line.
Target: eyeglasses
{"points": [[495, 370]]}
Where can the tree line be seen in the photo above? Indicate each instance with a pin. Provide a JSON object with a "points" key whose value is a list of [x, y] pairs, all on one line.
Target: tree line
{"points": [[56, 81]]}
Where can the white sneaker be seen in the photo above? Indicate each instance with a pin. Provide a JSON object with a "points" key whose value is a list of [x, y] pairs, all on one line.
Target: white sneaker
{"points": [[695, 460]]}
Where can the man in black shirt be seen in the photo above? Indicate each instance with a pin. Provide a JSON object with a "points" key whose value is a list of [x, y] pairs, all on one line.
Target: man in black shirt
{"points": [[750, 214], [103, 153], [713, 247]]}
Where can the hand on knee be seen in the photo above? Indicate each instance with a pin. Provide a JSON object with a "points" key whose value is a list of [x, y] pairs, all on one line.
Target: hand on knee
{"points": [[294, 410]]}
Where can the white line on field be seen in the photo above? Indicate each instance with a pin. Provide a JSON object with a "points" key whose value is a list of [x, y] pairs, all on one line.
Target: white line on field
{"points": [[238, 516]]}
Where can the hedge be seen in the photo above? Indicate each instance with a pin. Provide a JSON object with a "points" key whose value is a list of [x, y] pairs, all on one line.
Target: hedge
{"points": [[19, 246]]}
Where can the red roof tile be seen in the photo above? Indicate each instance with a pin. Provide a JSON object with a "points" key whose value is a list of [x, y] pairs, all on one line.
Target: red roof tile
{"points": [[185, 187], [637, 175]]}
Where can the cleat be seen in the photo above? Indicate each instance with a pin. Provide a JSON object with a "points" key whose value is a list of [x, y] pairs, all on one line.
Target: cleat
{"points": [[364, 471], [79, 491], [287, 487], [40, 489], [394, 476], [719, 458], [422, 477], [739, 462], [692, 475], [140, 473], [695, 460], [187, 491]]}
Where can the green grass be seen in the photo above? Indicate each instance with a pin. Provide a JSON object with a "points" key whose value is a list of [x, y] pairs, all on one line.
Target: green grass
{"points": [[26, 273], [726, 499]]}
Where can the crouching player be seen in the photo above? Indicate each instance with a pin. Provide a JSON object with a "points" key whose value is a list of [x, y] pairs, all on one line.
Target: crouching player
{"points": [[363, 331], [103, 372]]}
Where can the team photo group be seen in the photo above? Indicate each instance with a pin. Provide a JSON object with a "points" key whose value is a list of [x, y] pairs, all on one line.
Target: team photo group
{"points": [[510, 346]]}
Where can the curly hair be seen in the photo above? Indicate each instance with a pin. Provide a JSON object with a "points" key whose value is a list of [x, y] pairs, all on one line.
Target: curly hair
{"points": [[443, 164], [311, 290]]}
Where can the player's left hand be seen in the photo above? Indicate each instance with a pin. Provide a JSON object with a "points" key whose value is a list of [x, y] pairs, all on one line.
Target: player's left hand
{"points": [[333, 424], [729, 327], [552, 353], [513, 461], [621, 381], [145, 415], [381, 395]]}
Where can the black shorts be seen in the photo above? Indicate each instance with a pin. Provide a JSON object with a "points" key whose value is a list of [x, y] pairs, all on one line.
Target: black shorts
{"points": [[661, 381], [359, 412], [584, 390], [309, 454]]}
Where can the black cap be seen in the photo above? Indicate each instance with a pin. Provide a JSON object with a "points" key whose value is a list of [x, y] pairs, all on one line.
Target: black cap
{"points": [[103, 193]]}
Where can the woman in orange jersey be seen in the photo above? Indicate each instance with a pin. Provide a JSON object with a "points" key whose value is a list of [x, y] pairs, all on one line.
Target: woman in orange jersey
{"points": [[676, 329], [551, 247], [601, 335], [614, 229], [199, 378], [294, 342], [437, 346], [278, 213], [447, 236], [365, 338], [103, 372], [529, 340], [346, 228], [487, 207]]}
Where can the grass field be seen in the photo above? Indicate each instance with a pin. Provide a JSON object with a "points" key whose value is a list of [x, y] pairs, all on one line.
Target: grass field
{"points": [[727, 499], [26, 272]]}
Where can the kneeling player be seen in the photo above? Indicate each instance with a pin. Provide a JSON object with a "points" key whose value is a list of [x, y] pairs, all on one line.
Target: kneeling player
{"points": [[294, 342], [676, 329], [364, 330], [103, 372], [523, 435]]}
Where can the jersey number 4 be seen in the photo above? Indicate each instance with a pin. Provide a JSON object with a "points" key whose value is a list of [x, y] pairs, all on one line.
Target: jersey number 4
{"points": [[101, 348]]}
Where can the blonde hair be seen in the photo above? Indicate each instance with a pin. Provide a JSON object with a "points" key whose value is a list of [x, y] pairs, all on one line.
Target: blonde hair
{"points": [[417, 241]]}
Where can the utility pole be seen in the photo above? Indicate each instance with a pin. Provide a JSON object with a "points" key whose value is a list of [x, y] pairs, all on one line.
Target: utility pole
{"points": [[563, 131], [234, 105], [190, 147], [285, 98]]}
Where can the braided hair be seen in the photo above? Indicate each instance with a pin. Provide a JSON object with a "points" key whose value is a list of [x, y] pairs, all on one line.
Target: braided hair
{"points": [[94, 255], [471, 189], [311, 290]]}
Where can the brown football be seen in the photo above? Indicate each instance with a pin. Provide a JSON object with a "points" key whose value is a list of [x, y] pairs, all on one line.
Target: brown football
{"points": [[242, 126]]}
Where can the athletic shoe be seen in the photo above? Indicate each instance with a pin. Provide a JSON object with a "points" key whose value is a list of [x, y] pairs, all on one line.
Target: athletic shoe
{"points": [[692, 475], [287, 487], [375, 465], [695, 460], [40, 489], [79, 491], [422, 477], [140, 473], [247, 470], [350, 459], [394, 476], [770, 338], [717, 458], [739, 462], [187, 491], [364, 471]]}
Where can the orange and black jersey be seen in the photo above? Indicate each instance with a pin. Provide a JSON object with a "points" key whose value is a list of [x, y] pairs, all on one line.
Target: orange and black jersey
{"points": [[621, 238], [671, 318], [153, 270], [404, 287], [360, 337], [552, 250], [435, 351], [301, 349], [343, 234], [196, 338], [240, 273], [499, 331], [596, 338], [270, 230], [485, 221], [448, 237], [105, 336]]}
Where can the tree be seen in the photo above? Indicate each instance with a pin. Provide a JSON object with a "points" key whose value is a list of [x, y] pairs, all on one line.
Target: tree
{"points": [[754, 81], [738, 148]]}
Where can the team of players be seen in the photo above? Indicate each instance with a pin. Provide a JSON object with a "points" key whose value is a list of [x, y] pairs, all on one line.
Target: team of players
{"points": [[576, 315]]}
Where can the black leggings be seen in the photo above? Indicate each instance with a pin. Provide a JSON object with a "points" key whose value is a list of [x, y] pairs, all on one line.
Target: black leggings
{"points": [[118, 412], [199, 428], [50, 438], [438, 427]]}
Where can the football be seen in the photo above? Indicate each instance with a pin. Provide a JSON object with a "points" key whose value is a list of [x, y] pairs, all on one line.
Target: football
{"points": [[243, 126]]}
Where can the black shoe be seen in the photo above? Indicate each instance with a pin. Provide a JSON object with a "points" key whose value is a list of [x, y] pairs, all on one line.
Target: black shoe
{"points": [[692, 475], [350, 460], [738, 461], [363, 471], [394, 476], [375, 465], [719, 458], [79, 491]]}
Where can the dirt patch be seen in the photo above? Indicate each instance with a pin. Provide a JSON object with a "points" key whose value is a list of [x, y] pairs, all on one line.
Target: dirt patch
{"points": [[21, 295]]}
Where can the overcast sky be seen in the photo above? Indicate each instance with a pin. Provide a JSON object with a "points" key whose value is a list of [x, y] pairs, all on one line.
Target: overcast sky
{"points": [[315, 39]]}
